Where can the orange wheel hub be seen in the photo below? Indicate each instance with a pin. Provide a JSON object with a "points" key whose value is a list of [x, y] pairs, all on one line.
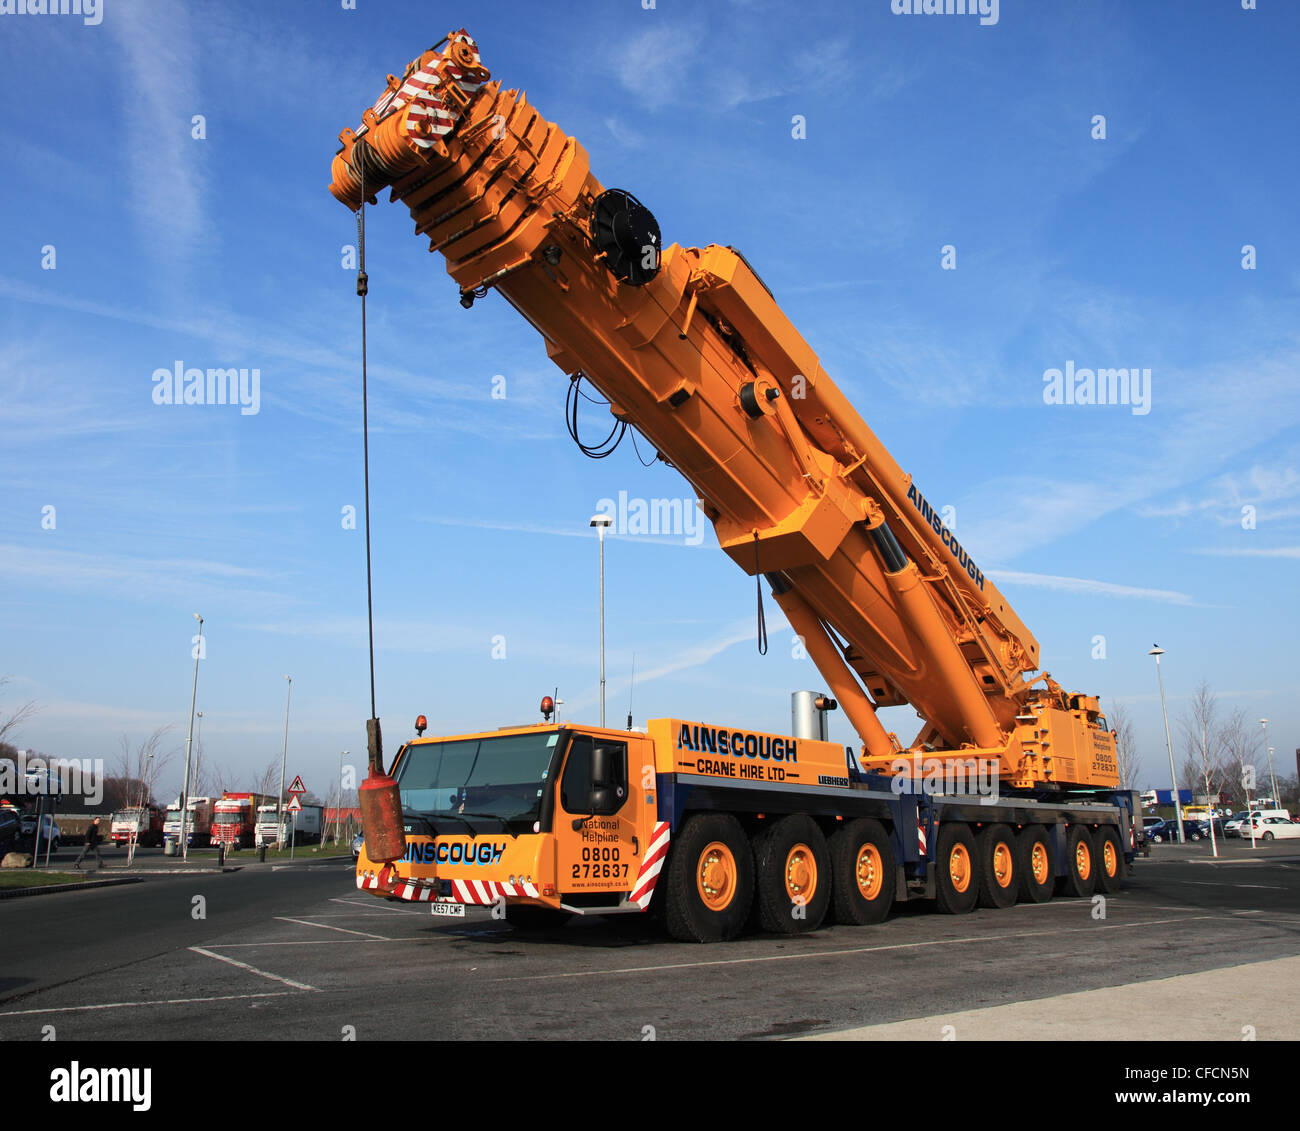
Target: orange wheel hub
{"points": [[1003, 868], [715, 876], [1082, 860], [870, 872], [1038, 863], [959, 869], [1109, 860], [800, 874]]}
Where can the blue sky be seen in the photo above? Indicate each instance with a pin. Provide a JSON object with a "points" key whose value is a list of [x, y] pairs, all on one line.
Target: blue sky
{"points": [[921, 132]]}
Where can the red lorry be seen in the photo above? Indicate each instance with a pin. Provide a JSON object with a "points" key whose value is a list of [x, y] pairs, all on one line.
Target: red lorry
{"points": [[234, 818]]}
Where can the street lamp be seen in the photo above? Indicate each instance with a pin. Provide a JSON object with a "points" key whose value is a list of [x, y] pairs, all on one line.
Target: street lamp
{"points": [[1157, 652], [284, 754], [600, 522], [189, 740], [1271, 779]]}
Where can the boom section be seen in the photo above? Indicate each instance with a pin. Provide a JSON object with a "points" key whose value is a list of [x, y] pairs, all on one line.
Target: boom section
{"points": [[690, 346]]}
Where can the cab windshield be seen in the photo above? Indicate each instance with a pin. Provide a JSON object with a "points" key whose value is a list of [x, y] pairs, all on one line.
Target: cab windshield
{"points": [[500, 777]]}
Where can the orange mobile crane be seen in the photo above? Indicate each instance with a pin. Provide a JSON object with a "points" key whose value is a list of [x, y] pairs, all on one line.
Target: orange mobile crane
{"points": [[691, 348]]}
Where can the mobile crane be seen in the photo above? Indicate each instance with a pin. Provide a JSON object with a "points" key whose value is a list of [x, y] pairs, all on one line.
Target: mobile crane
{"points": [[708, 823]]}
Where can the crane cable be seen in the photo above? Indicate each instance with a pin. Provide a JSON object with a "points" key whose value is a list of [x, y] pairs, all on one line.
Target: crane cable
{"points": [[363, 287], [758, 587]]}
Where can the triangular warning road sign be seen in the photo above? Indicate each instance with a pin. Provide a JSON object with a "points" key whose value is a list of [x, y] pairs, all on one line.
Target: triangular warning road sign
{"points": [[297, 786], [295, 806]]}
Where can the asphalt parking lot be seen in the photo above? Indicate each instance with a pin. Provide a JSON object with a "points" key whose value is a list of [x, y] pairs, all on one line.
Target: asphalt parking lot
{"points": [[288, 952]]}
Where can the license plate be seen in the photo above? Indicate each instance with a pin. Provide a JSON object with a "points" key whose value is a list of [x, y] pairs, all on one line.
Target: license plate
{"points": [[452, 910]]}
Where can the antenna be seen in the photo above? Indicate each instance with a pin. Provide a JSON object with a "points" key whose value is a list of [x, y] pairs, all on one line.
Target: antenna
{"points": [[629, 692]]}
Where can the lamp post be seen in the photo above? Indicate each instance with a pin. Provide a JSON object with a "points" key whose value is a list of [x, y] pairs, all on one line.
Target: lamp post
{"points": [[1272, 781], [284, 754], [600, 522], [185, 782], [1157, 652]]}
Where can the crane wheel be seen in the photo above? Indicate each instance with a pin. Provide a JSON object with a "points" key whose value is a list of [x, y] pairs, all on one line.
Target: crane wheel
{"points": [[999, 864], [1038, 867], [792, 876], [1080, 864], [710, 882], [864, 872], [1109, 857], [956, 880]]}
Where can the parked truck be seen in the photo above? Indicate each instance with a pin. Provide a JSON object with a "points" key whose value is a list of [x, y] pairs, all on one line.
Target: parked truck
{"points": [[142, 824], [198, 823], [305, 825], [234, 818], [1009, 789]]}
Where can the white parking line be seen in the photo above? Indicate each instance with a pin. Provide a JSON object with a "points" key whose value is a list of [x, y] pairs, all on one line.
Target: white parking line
{"points": [[327, 927], [851, 950], [137, 1004], [327, 942], [378, 907], [253, 969]]}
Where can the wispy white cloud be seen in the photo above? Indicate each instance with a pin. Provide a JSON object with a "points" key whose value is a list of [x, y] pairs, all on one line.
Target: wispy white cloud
{"points": [[1252, 551], [1088, 587], [1258, 486], [165, 164]]}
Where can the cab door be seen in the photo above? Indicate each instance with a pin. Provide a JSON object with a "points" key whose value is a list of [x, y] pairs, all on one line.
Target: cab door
{"points": [[599, 846]]}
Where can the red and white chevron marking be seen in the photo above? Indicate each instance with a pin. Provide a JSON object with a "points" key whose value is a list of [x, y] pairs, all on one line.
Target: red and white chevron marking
{"points": [[489, 891], [920, 834], [651, 865], [417, 891]]}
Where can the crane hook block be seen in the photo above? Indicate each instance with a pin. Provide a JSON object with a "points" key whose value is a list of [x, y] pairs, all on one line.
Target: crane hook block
{"points": [[626, 233]]}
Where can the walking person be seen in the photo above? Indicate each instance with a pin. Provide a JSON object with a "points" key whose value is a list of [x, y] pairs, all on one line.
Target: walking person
{"points": [[92, 841]]}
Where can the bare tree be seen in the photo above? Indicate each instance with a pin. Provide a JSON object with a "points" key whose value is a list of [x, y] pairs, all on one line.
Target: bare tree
{"points": [[12, 721], [1203, 740], [1241, 745], [1126, 755], [270, 777], [137, 770]]}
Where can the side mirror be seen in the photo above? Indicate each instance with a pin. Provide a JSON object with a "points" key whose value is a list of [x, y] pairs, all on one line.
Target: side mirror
{"points": [[608, 780]]}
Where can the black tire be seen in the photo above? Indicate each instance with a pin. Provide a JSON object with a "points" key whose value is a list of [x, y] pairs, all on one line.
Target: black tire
{"points": [[1266, 836], [1080, 864], [1038, 865], [864, 872], [997, 867], [712, 854], [1109, 858], [792, 876], [527, 917], [956, 878]]}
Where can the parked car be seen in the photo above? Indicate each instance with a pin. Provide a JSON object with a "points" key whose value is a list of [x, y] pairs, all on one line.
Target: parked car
{"points": [[1220, 828], [50, 833], [11, 829], [1276, 828], [1167, 832], [358, 842]]}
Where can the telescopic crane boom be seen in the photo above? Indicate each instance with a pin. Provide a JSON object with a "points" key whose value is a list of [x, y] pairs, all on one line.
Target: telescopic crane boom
{"points": [[690, 346]]}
